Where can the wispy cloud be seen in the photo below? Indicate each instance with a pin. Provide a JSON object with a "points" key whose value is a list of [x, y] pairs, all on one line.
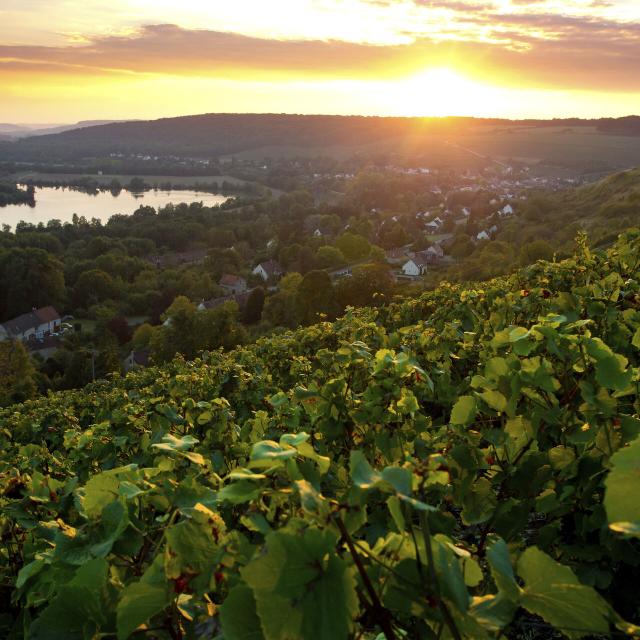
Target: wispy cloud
{"points": [[536, 49]]}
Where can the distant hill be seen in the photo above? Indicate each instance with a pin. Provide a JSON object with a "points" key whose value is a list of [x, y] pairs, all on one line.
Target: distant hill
{"points": [[568, 142], [12, 129], [629, 126], [25, 131]]}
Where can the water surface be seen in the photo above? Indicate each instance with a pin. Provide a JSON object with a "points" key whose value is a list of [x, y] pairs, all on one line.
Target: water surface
{"points": [[60, 204]]}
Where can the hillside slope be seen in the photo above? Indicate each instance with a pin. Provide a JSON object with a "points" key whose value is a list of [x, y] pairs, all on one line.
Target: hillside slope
{"points": [[211, 135], [463, 461], [603, 209]]}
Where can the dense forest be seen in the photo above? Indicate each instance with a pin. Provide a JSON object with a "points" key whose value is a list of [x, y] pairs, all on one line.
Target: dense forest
{"points": [[11, 194], [461, 464], [212, 135]]}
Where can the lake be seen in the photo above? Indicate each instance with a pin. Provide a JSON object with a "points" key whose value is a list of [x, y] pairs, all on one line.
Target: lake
{"points": [[60, 204]]}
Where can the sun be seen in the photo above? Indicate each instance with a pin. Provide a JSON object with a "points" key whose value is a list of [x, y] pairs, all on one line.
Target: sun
{"points": [[442, 91]]}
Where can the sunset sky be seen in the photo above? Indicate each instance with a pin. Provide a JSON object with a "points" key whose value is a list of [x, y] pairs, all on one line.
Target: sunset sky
{"points": [[67, 60]]}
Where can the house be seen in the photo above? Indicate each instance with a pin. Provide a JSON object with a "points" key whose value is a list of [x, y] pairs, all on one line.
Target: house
{"points": [[466, 212], [396, 256], [342, 272], [415, 266], [233, 284], [268, 270], [239, 298], [435, 224], [136, 360], [35, 324], [433, 253], [507, 210], [483, 235]]}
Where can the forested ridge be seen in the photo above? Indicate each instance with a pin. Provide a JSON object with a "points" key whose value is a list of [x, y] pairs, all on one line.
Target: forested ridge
{"points": [[459, 465], [215, 134]]}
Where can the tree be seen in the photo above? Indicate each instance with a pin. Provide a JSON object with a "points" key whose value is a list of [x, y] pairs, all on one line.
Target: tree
{"points": [[93, 287], [281, 310], [315, 296], [353, 246], [142, 336], [290, 282], [536, 250], [370, 285], [17, 374], [255, 304], [30, 278], [328, 257], [119, 328]]}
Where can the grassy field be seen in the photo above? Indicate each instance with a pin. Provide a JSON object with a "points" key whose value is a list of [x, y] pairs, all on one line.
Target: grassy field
{"points": [[578, 149]]}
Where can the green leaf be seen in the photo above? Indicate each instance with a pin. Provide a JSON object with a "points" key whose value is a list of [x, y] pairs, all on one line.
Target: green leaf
{"points": [[399, 478], [80, 610], [408, 403], [191, 549], [621, 498], [553, 592], [238, 615], [494, 399], [479, 502], [171, 443], [627, 529], [362, 474], [239, 492], [302, 588], [104, 488], [142, 600], [501, 569], [611, 368], [395, 509], [464, 410], [268, 452]]}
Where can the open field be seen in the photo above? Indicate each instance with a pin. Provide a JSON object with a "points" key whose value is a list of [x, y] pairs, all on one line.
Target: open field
{"points": [[573, 149], [577, 148]]}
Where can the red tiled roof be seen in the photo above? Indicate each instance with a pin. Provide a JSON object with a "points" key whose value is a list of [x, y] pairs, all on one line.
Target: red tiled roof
{"points": [[230, 280]]}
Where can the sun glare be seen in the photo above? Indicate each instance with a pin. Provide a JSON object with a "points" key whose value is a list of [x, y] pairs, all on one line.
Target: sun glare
{"points": [[443, 92]]}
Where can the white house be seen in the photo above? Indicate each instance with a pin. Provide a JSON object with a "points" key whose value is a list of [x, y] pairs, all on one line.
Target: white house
{"points": [[465, 212], [483, 235], [435, 224], [136, 360], [507, 210], [415, 266], [35, 324], [268, 269]]}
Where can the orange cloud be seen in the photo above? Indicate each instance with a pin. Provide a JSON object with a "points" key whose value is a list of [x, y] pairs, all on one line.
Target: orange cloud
{"points": [[524, 50]]}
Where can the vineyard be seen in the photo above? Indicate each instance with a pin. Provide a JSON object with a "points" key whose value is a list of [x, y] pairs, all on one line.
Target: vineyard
{"points": [[461, 465]]}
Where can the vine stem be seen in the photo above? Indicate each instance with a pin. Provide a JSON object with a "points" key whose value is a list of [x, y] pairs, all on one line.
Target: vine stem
{"points": [[381, 613], [431, 568]]}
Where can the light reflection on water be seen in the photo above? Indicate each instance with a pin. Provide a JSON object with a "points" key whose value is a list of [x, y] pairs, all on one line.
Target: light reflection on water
{"points": [[60, 204]]}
